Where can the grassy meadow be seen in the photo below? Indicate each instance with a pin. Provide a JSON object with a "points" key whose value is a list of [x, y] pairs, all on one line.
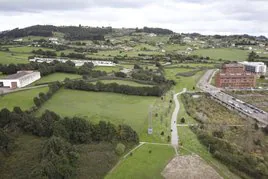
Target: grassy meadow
{"points": [[223, 53], [23, 99], [116, 108], [56, 77], [124, 82], [143, 164]]}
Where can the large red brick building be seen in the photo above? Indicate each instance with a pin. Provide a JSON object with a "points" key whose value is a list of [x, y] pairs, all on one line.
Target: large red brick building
{"points": [[234, 76]]}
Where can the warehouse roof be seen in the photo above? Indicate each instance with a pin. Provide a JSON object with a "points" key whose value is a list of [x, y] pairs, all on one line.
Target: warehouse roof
{"points": [[16, 75]]}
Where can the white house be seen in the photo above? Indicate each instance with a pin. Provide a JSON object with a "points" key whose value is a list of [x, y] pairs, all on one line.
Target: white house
{"points": [[255, 67], [20, 79]]}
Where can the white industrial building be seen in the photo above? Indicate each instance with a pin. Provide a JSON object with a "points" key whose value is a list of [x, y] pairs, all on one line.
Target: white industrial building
{"points": [[76, 62], [20, 79], [255, 67]]}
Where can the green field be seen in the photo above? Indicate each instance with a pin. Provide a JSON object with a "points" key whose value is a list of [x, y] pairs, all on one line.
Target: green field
{"points": [[223, 53], [56, 77], [107, 69], [23, 99], [7, 58], [143, 164], [182, 82], [117, 108], [123, 82], [26, 49]]}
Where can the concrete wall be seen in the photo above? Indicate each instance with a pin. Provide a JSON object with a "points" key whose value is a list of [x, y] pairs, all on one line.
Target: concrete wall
{"points": [[22, 81], [7, 82], [28, 79]]}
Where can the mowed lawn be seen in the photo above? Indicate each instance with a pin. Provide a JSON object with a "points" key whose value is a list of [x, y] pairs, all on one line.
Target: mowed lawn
{"points": [[123, 82], [56, 77], [116, 108], [143, 164], [223, 53], [23, 99]]}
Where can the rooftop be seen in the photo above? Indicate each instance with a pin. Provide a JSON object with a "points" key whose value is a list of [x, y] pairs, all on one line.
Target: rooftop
{"points": [[17, 75], [252, 63]]}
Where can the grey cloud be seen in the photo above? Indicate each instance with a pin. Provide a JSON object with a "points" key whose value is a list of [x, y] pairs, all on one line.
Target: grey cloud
{"points": [[50, 5]]}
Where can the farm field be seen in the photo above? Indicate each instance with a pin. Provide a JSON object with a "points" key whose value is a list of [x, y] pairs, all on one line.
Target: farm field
{"points": [[124, 82], [26, 49], [223, 53], [107, 69], [23, 99], [56, 77], [8, 58], [143, 164], [96, 106]]}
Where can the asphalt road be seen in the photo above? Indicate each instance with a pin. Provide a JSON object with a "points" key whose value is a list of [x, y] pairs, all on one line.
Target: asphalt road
{"points": [[245, 108], [174, 132]]}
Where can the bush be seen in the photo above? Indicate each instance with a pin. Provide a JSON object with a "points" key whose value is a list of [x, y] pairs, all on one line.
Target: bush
{"points": [[120, 148], [182, 120]]}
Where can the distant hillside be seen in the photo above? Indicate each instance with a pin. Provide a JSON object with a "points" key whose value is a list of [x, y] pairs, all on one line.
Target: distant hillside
{"points": [[155, 30], [70, 32]]}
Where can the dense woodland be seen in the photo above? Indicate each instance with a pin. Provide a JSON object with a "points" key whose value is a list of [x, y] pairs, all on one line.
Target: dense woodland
{"points": [[71, 32]]}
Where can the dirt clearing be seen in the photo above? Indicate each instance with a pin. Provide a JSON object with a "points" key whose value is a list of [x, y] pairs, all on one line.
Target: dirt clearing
{"points": [[189, 167]]}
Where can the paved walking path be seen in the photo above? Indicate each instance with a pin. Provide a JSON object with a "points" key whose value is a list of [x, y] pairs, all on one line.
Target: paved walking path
{"points": [[174, 132]]}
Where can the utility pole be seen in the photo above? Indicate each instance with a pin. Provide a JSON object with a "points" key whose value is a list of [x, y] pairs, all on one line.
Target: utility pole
{"points": [[150, 122]]}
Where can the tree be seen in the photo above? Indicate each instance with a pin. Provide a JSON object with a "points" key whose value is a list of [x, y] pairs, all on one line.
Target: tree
{"points": [[120, 148], [182, 120], [252, 56], [120, 74], [37, 102]]}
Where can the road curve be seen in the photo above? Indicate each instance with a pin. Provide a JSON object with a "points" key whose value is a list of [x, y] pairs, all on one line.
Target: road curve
{"points": [[174, 132]]}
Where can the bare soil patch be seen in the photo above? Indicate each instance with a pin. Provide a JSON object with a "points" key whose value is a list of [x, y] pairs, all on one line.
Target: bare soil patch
{"points": [[189, 167]]}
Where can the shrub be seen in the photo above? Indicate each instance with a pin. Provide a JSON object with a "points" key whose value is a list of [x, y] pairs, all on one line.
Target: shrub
{"points": [[120, 148]]}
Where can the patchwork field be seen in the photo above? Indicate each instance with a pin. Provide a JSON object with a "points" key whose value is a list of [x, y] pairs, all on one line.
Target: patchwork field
{"points": [[56, 77], [223, 53], [143, 164], [23, 99], [117, 108]]}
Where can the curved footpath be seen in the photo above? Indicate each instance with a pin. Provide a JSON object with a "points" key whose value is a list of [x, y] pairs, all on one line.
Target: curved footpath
{"points": [[174, 132]]}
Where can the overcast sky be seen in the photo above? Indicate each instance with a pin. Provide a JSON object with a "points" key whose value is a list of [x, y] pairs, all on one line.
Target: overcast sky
{"points": [[203, 16]]}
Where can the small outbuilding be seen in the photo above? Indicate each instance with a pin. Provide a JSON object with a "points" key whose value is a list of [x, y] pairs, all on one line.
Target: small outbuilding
{"points": [[20, 79]]}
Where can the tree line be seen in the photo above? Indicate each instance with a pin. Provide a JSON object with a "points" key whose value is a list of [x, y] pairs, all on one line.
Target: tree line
{"points": [[155, 30], [43, 97], [55, 66], [116, 88], [70, 32]]}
